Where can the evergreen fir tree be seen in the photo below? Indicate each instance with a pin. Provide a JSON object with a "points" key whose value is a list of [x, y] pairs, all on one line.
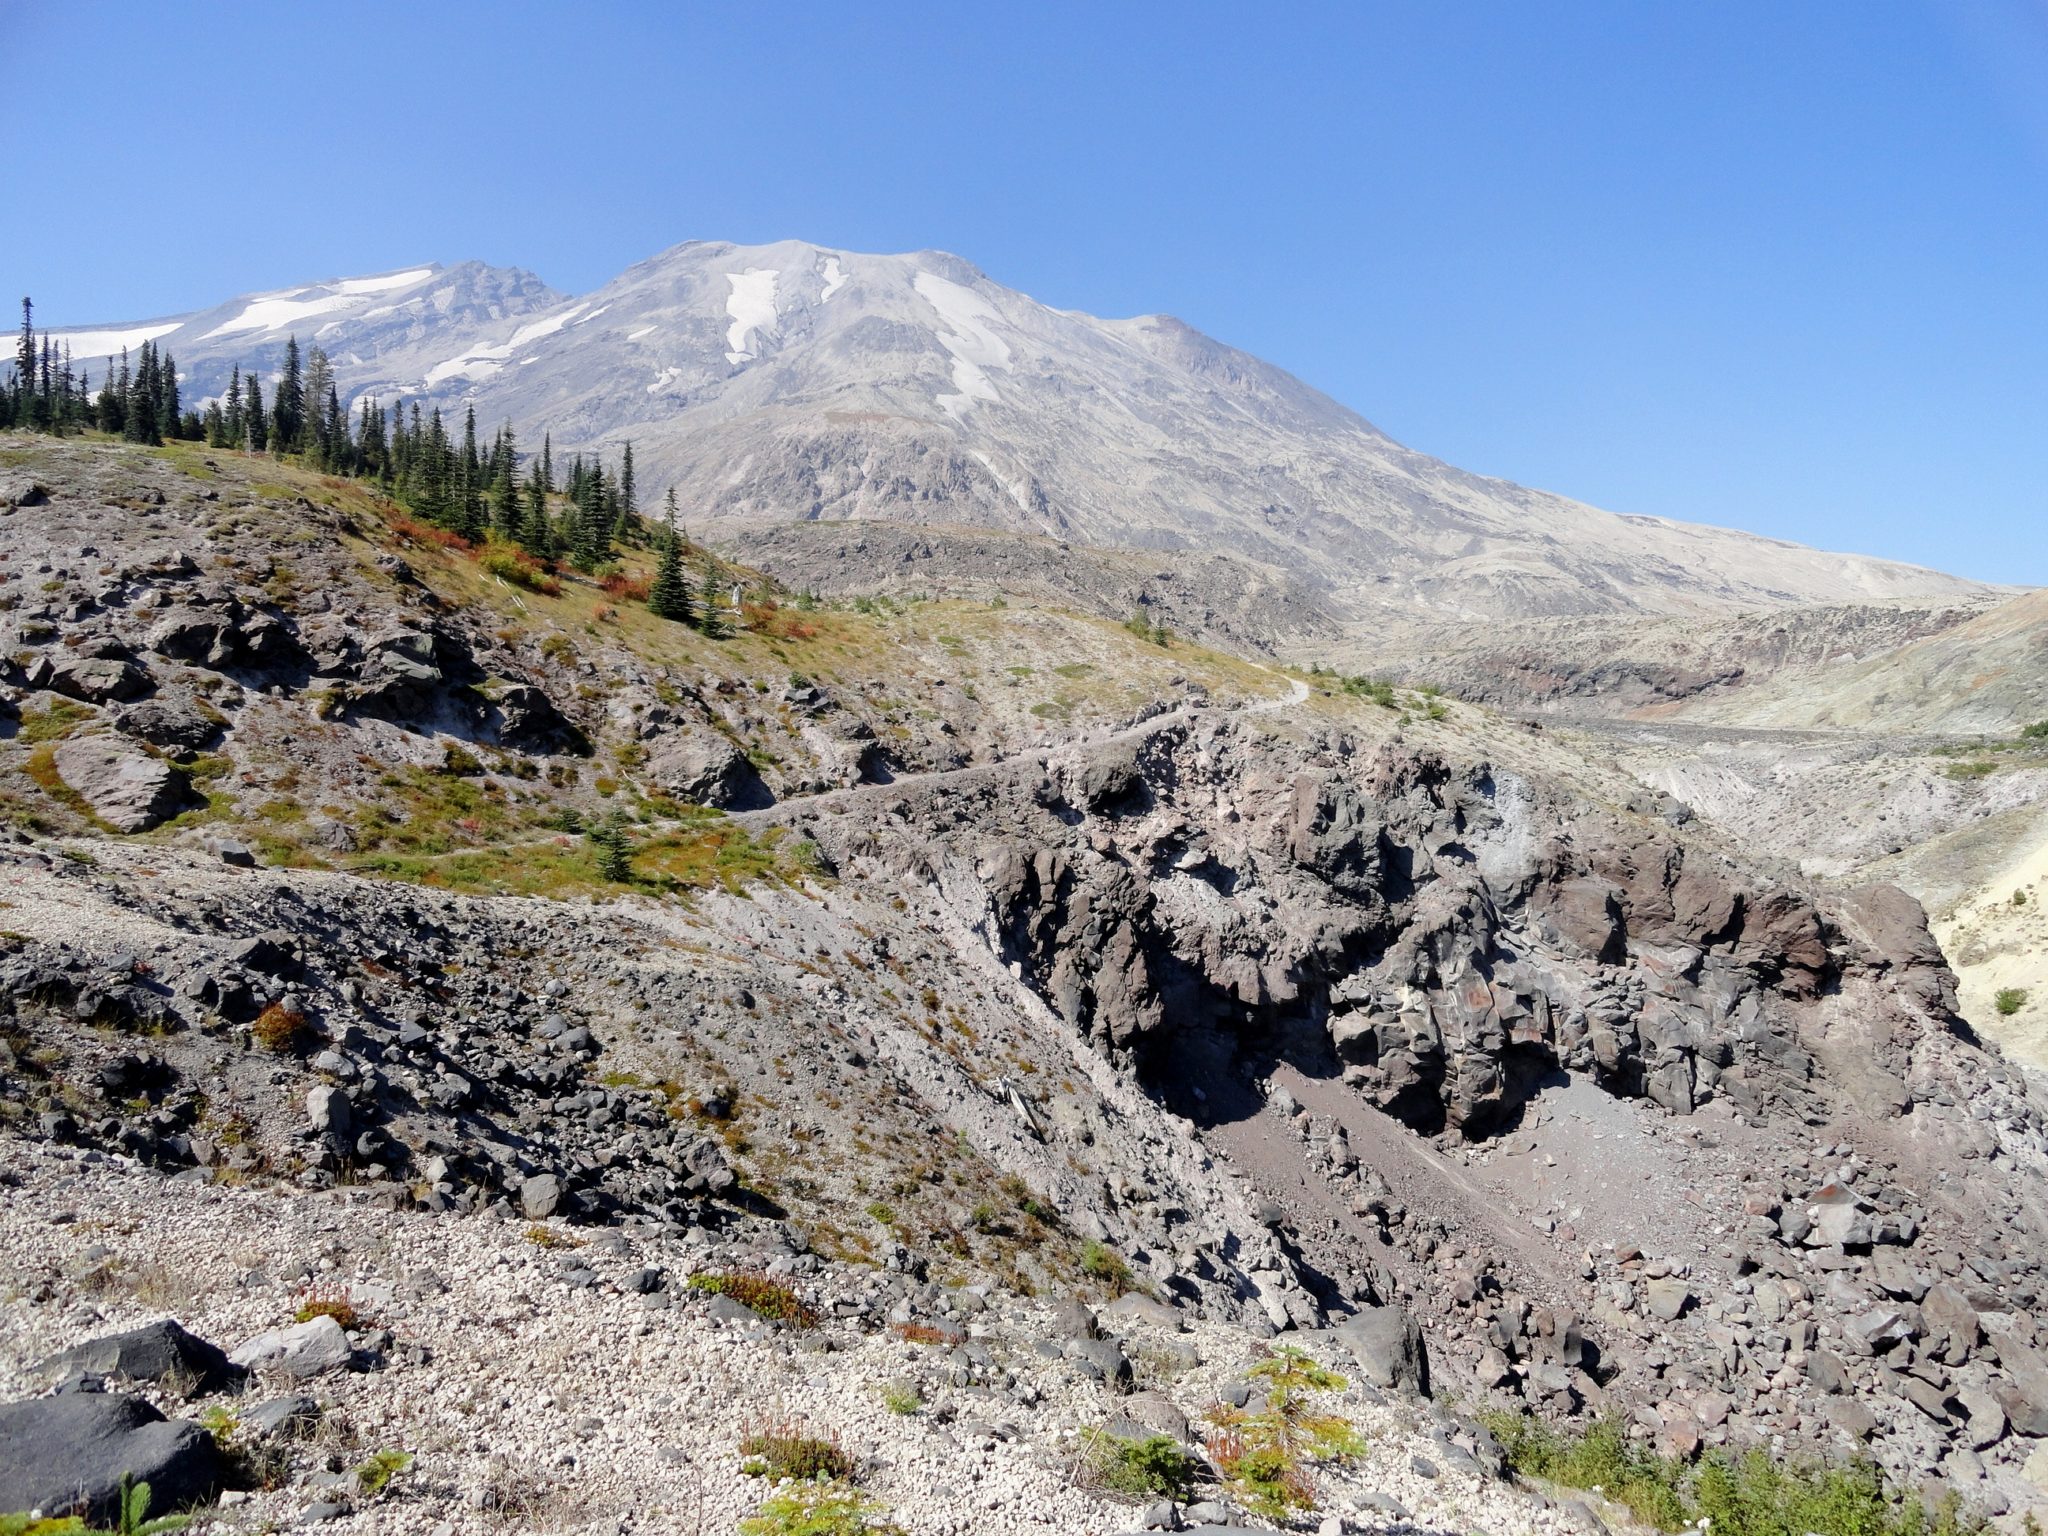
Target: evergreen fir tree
{"points": [[288, 404], [431, 471], [669, 597], [505, 513], [536, 535], [25, 352], [314, 437], [334, 432], [373, 454], [107, 409], [614, 860], [140, 425], [469, 521], [257, 430], [169, 411], [714, 622]]}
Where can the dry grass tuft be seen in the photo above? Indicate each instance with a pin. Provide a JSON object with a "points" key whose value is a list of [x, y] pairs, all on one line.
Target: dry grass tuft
{"points": [[279, 1029]]}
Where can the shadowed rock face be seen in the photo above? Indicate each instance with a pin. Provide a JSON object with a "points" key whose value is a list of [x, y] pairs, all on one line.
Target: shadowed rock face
{"points": [[1442, 936]]}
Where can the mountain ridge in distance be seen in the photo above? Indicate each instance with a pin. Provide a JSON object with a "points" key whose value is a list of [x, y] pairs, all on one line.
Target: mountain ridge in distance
{"points": [[791, 383]]}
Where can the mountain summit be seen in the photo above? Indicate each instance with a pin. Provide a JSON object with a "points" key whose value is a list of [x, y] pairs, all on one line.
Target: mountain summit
{"points": [[790, 382]]}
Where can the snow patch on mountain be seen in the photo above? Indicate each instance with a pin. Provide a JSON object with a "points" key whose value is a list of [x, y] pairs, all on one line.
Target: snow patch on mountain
{"points": [[481, 362], [105, 343], [276, 311], [835, 279], [975, 347], [385, 283], [645, 330], [752, 307]]}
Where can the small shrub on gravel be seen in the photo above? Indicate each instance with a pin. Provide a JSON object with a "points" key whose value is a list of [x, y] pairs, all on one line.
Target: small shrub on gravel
{"points": [[264, 1463], [785, 1448], [1103, 1263], [1751, 1495], [1268, 1455], [758, 1293], [278, 1028], [131, 1519], [819, 1509], [1153, 1465], [928, 1333], [548, 1237], [328, 1301], [375, 1474], [900, 1397], [2010, 1000]]}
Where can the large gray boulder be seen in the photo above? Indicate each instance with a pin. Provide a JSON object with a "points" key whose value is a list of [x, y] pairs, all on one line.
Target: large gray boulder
{"points": [[159, 1352], [91, 679], [1387, 1343], [67, 1454], [327, 1110], [541, 1196], [177, 725], [300, 1352], [128, 790], [700, 767]]}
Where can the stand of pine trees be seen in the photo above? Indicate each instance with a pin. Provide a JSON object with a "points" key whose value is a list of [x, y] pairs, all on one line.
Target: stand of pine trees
{"points": [[479, 493], [45, 391]]}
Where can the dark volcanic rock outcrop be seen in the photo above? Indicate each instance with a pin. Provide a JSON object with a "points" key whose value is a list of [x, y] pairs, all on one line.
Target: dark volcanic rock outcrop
{"points": [[1448, 935]]}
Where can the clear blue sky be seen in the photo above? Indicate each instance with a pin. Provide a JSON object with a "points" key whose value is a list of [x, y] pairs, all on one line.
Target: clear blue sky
{"points": [[1780, 266]]}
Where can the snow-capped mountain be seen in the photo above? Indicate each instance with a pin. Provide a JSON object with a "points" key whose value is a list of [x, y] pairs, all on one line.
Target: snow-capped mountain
{"points": [[391, 324], [793, 382]]}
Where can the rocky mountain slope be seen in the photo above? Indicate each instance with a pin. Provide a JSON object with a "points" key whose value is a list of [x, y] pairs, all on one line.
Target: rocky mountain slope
{"points": [[973, 956], [788, 383], [1955, 669]]}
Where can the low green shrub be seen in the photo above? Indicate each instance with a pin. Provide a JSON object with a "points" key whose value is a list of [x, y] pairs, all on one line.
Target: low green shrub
{"points": [[780, 1448], [1734, 1495], [2009, 1001], [375, 1474], [1269, 1456], [756, 1292], [1153, 1465], [1101, 1262], [819, 1509]]}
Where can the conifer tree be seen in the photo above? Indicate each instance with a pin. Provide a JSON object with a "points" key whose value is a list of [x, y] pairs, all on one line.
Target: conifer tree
{"points": [[25, 351], [669, 597], [714, 623], [140, 425], [311, 437], [288, 404], [608, 837], [506, 496], [168, 410], [469, 498], [256, 428], [536, 535]]}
